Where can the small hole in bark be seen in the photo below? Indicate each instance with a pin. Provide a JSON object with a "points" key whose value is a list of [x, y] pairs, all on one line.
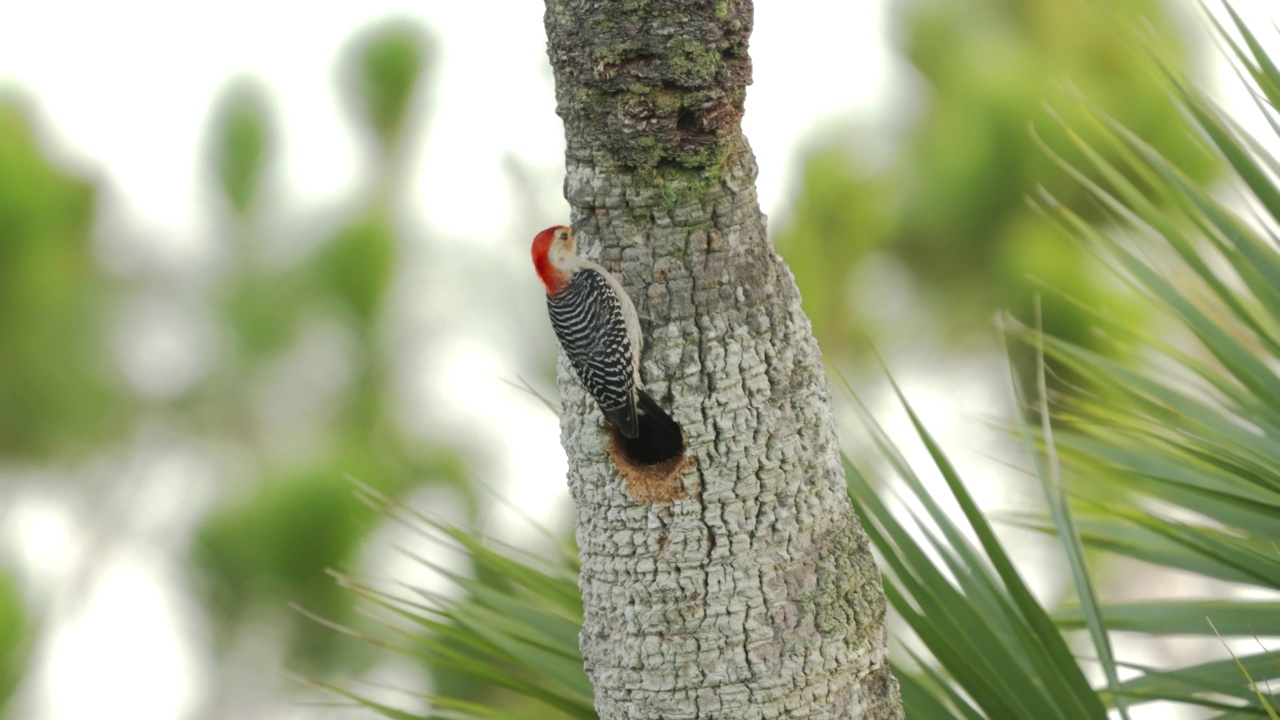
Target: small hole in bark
{"points": [[687, 120], [653, 469]]}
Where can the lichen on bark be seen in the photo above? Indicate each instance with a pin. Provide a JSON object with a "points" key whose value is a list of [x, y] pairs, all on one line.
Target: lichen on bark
{"points": [[754, 596], [661, 97]]}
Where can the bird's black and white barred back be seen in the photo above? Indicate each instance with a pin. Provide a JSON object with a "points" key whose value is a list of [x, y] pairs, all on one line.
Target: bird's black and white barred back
{"points": [[600, 333], [588, 319]]}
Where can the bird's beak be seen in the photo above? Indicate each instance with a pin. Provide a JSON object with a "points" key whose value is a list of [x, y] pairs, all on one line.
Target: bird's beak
{"points": [[580, 223]]}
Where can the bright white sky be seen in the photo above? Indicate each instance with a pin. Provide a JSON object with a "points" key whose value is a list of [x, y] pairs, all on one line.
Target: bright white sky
{"points": [[128, 85], [126, 88]]}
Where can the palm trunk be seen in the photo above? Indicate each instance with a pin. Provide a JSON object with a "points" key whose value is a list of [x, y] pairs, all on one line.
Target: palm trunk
{"points": [[737, 584]]}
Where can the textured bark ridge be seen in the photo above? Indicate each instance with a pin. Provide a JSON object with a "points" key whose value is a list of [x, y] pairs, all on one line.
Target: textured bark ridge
{"points": [[751, 593]]}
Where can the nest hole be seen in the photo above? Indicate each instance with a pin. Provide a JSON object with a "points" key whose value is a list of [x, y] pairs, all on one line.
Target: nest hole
{"points": [[653, 469]]}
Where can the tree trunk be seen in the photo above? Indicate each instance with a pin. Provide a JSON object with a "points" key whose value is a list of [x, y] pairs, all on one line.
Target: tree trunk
{"points": [[737, 584]]}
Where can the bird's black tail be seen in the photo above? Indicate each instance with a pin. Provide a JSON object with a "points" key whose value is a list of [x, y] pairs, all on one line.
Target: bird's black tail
{"points": [[659, 437]]}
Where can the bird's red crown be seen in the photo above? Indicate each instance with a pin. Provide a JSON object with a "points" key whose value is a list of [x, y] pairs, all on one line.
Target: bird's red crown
{"points": [[552, 277]]}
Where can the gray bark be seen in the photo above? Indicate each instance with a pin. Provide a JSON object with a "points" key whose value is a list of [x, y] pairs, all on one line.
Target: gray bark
{"points": [[737, 584]]}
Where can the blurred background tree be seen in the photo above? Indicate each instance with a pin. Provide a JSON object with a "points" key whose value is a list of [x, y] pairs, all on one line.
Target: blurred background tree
{"points": [[14, 641], [271, 545], [297, 377], [939, 234], [57, 393], [299, 389]]}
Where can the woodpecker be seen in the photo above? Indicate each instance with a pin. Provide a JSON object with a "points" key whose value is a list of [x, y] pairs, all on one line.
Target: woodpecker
{"points": [[597, 326]]}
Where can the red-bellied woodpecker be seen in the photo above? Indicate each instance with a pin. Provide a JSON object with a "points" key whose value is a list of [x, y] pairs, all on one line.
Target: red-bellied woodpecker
{"points": [[599, 331]]}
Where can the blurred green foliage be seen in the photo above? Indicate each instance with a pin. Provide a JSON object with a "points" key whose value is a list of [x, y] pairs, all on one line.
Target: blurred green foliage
{"points": [[291, 513], [14, 637], [242, 144], [951, 204], [58, 393], [278, 543], [357, 264], [274, 544], [384, 72]]}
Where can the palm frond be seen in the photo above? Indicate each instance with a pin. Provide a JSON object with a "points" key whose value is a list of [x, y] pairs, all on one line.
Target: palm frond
{"points": [[1189, 436]]}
